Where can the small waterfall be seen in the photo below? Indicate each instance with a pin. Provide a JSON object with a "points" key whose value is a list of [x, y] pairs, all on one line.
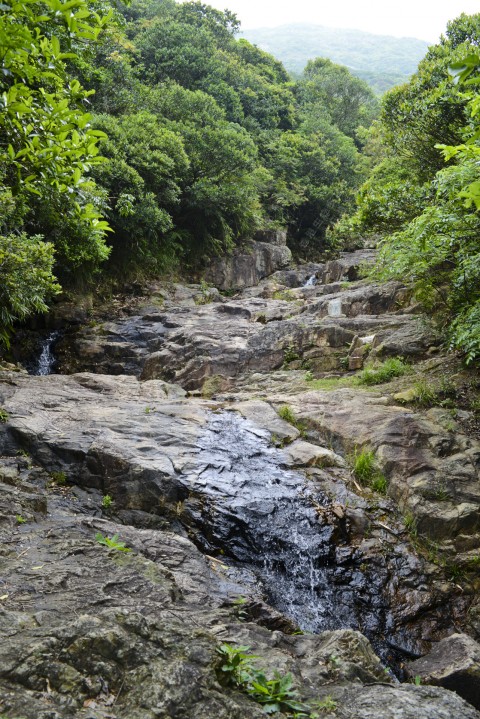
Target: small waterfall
{"points": [[311, 282], [46, 360], [265, 517]]}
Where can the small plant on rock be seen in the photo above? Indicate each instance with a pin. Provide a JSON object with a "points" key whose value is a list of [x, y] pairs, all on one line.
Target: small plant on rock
{"points": [[286, 413], [425, 395], [59, 478], [384, 372], [275, 695], [112, 542], [19, 519], [3, 416], [107, 501], [290, 354], [365, 469], [410, 524], [239, 608], [326, 705]]}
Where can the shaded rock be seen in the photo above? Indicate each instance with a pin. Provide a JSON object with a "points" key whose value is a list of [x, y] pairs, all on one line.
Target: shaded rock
{"points": [[347, 265], [453, 663], [272, 237], [246, 268]]}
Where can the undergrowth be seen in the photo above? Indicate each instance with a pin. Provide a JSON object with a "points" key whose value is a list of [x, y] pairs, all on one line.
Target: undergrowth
{"points": [[365, 469], [371, 375], [239, 670], [384, 372]]}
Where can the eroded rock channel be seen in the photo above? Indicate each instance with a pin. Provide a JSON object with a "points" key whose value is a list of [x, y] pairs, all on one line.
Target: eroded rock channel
{"points": [[244, 527]]}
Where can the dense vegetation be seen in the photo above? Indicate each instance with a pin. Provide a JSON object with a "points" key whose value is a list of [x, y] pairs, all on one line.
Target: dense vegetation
{"points": [[139, 139], [380, 60], [192, 141], [425, 187]]}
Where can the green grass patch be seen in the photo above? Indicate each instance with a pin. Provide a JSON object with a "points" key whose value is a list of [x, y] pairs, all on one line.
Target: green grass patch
{"points": [[328, 383], [384, 372], [364, 466], [286, 413], [425, 394]]}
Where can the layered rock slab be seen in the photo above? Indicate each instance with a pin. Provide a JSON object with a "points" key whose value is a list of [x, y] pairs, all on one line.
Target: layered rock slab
{"points": [[433, 473]]}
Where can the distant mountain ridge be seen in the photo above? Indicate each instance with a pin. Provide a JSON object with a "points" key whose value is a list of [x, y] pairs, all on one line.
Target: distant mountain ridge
{"points": [[381, 60]]}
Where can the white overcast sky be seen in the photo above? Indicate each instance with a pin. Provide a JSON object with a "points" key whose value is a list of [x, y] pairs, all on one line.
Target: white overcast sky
{"points": [[423, 19]]}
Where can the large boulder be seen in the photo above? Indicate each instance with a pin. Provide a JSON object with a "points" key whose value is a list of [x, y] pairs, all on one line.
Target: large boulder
{"points": [[246, 267], [453, 663]]}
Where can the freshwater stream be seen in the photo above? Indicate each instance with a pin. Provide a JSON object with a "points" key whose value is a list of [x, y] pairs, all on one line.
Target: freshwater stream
{"points": [[266, 516]]}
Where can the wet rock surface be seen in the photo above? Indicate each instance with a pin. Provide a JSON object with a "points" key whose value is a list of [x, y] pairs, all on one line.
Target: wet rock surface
{"points": [[229, 510]]}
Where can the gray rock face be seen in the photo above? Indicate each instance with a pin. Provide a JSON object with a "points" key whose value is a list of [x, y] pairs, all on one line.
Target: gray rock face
{"points": [[431, 473], [189, 343], [94, 633], [405, 702], [246, 268], [453, 663], [168, 459], [222, 499]]}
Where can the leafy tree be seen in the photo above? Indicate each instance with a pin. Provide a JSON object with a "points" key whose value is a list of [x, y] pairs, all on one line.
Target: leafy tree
{"points": [[48, 145], [146, 163], [346, 100]]}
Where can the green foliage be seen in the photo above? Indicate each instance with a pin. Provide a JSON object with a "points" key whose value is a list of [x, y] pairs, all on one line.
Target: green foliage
{"points": [[59, 478], [3, 416], [145, 164], [346, 100], [364, 464], [410, 523], [384, 372], [194, 141], [286, 413], [26, 279], [433, 209], [365, 469], [424, 394], [275, 695], [290, 354], [19, 519], [49, 145], [112, 542], [48, 148], [107, 501]]}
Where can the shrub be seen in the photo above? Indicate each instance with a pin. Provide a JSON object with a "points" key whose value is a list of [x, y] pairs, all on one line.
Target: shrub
{"points": [[276, 695], [392, 367], [107, 501]]}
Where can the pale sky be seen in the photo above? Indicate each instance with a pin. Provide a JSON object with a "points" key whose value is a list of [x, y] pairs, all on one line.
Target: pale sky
{"points": [[423, 19]]}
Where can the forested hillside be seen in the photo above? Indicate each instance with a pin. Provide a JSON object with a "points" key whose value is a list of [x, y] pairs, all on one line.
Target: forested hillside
{"points": [[146, 138], [380, 60], [423, 196], [156, 119]]}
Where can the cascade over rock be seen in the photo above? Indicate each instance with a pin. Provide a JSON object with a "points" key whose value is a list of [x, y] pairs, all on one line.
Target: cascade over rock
{"points": [[186, 429]]}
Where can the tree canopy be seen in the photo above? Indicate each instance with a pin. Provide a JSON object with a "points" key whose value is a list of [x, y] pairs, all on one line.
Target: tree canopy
{"points": [[424, 195]]}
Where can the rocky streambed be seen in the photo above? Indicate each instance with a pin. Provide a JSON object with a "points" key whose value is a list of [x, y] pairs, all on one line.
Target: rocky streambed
{"points": [[213, 437]]}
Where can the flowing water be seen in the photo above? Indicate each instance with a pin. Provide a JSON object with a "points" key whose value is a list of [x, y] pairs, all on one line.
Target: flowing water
{"points": [[264, 515], [46, 360], [311, 281]]}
